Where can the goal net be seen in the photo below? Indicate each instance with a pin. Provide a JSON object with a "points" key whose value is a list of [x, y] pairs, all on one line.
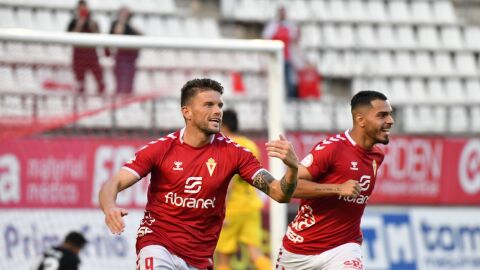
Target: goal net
{"points": [[57, 145]]}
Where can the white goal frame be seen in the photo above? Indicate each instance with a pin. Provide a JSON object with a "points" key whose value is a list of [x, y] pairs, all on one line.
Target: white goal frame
{"points": [[275, 70]]}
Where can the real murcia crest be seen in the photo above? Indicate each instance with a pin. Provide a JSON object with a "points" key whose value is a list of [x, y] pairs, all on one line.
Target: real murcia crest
{"points": [[178, 166], [354, 166], [211, 164]]}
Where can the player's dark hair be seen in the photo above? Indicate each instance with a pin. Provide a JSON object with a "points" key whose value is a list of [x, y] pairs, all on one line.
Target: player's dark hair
{"points": [[230, 120], [76, 239], [365, 98], [192, 87]]}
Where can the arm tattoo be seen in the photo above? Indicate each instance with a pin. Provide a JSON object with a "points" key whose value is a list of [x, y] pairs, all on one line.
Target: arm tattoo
{"points": [[262, 181], [328, 189], [287, 188]]}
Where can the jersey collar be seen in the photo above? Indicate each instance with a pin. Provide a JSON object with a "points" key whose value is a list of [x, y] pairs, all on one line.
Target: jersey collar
{"points": [[347, 134], [182, 132]]}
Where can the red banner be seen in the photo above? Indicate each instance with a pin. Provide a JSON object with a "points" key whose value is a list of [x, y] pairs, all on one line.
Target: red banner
{"points": [[64, 172], [68, 172]]}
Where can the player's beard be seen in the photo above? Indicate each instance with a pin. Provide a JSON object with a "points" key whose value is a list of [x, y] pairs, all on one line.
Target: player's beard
{"points": [[386, 140], [378, 135], [207, 130], [382, 137]]}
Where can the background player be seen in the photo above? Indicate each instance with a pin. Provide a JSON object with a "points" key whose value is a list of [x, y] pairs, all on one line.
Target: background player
{"points": [[326, 232], [243, 218], [190, 172], [65, 256]]}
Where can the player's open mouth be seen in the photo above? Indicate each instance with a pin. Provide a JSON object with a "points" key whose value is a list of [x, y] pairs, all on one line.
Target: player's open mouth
{"points": [[386, 131], [216, 120]]}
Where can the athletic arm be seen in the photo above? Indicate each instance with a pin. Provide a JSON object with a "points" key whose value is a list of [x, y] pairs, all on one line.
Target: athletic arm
{"points": [[108, 196], [279, 190], [307, 189]]}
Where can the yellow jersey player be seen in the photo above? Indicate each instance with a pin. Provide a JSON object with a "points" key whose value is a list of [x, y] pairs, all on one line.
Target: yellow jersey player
{"points": [[243, 217]]}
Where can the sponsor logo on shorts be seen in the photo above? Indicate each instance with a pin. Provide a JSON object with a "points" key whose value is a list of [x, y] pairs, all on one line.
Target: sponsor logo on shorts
{"points": [[353, 264]]}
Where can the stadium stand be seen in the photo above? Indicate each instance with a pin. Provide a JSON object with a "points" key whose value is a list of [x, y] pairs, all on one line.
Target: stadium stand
{"points": [[423, 54], [417, 51]]}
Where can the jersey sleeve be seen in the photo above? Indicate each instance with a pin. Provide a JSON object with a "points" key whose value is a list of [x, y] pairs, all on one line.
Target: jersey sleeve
{"points": [[143, 162], [248, 165], [320, 159]]}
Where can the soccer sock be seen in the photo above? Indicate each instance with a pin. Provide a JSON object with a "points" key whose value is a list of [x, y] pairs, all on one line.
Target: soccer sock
{"points": [[263, 263], [223, 267]]}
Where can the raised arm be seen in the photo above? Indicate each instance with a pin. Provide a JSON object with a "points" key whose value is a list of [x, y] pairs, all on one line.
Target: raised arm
{"points": [[108, 196], [307, 189], [279, 190]]}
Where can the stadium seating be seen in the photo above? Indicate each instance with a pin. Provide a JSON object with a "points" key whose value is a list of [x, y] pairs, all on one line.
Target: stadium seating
{"points": [[417, 51]]}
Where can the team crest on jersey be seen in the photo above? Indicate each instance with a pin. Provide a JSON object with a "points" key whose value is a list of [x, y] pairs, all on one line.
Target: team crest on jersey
{"points": [[211, 164], [307, 161]]}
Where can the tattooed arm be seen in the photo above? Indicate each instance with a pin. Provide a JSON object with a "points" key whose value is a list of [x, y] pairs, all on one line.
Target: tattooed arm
{"points": [[308, 189], [279, 190]]}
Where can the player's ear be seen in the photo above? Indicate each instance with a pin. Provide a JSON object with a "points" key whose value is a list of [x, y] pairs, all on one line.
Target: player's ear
{"points": [[186, 112], [360, 119]]}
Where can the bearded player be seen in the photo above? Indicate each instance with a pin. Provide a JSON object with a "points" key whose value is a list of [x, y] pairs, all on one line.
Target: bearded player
{"points": [[325, 235], [190, 172]]}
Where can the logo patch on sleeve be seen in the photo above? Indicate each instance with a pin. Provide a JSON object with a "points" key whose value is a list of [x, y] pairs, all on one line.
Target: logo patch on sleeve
{"points": [[307, 161]]}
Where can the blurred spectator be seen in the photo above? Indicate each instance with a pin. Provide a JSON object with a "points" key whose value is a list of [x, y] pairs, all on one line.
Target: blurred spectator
{"points": [[85, 59], [285, 31], [64, 256], [309, 82], [242, 224], [124, 58]]}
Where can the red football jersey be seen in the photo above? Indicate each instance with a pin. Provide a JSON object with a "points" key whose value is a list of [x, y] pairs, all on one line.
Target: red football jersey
{"points": [[325, 223], [186, 196]]}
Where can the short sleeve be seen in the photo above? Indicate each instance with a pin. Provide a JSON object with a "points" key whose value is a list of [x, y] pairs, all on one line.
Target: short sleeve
{"points": [[319, 160], [248, 165], [143, 162]]}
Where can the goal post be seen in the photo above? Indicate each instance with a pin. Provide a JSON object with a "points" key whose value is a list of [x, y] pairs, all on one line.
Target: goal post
{"points": [[273, 50]]}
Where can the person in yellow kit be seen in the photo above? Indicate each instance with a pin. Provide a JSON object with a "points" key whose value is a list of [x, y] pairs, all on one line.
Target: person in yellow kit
{"points": [[242, 223]]}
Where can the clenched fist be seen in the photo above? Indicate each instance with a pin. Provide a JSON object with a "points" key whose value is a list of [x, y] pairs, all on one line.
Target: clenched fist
{"points": [[351, 188]]}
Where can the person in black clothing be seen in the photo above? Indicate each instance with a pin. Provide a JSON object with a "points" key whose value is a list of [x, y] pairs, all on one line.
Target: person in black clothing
{"points": [[85, 59], [65, 256], [124, 58]]}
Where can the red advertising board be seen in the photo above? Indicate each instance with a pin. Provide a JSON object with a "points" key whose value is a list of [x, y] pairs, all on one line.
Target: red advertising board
{"points": [[461, 172], [68, 172], [64, 172]]}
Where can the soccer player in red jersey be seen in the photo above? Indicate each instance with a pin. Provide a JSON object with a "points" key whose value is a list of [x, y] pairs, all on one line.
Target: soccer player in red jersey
{"points": [[190, 172], [326, 231]]}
